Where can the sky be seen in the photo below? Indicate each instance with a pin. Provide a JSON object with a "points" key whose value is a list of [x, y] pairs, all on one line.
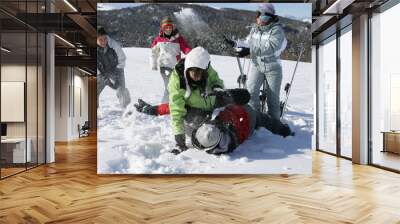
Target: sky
{"points": [[297, 10]]}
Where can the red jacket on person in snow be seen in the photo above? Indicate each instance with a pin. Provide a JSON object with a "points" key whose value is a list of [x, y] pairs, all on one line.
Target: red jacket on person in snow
{"points": [[238, 117], [234, 115]]}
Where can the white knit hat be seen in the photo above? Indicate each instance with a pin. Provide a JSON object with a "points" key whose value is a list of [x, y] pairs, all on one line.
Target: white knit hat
{"points": [[266, 8], [207, 136], [197, 58]]}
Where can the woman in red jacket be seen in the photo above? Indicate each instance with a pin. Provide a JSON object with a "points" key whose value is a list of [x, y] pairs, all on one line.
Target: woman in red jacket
{"points": [[166, 51]]}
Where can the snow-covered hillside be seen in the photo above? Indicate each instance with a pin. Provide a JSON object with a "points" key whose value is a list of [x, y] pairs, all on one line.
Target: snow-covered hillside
{"points": [[130, 142]]}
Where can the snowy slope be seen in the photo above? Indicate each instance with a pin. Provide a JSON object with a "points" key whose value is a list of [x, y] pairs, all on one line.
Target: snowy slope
{"points": [[130, 142]]}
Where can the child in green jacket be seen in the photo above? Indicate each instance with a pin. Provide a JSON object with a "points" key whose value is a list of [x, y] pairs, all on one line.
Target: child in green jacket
{"points": [[189, 86]]}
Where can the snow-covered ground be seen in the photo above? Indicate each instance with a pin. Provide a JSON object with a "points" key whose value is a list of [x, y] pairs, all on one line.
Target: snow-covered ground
{"points": [[135, 143]]}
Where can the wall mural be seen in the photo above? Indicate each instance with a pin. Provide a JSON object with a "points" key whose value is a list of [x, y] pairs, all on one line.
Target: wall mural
{"points": [[211, 88]]}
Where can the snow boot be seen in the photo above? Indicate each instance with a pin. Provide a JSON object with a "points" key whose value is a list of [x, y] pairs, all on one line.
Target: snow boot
{"points": [[279, 128], [285, 131], [274, 125]]}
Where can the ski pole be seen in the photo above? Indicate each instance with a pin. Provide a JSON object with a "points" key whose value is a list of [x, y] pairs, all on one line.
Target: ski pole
{"points": [[240, 79], [288, 86], [263, 96]]}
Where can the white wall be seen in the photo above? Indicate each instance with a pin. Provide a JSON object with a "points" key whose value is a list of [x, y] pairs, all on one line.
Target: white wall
{"points": [[81, 84], [71, 94], [61, 103]]}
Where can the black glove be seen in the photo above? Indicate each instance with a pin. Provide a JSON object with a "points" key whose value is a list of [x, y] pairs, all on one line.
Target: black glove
{"points": [[229, 42], [180, 144], [242, 52], [116, 76], [242, 79], [106, 79], [231, 96], [146, 108], [239, 96], [112, 78], [218, 92], [111, 83]]}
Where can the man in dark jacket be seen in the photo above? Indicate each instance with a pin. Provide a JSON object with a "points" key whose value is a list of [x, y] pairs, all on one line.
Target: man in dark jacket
{"points": [[110, 67]]}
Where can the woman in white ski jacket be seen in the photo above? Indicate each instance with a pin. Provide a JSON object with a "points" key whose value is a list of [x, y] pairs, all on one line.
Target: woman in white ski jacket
{"points": [[265, 44]]}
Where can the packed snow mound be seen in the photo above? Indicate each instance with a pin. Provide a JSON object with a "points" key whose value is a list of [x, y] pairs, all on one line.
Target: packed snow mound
{"points": [[135, 143]]}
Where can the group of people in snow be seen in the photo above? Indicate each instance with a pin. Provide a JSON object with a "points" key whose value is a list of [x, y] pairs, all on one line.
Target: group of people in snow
{"points": [[217, 120]]}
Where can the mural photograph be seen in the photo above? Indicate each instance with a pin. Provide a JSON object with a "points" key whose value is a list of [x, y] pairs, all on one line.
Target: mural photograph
{"points": [[211, 88]]}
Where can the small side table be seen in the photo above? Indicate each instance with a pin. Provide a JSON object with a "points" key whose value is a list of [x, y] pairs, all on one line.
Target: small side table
{"points": [[391, 141]]}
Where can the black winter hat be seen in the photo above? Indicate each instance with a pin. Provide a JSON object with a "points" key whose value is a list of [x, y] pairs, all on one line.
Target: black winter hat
{"points": [[101, 31]]}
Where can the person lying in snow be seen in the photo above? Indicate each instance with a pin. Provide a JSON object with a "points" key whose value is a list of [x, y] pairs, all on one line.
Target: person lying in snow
{"points": [[166, 51], [195, 90], [230, 128]]}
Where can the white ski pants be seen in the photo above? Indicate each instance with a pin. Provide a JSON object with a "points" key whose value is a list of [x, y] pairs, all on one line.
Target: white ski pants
{"points": [[273, 80]]}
